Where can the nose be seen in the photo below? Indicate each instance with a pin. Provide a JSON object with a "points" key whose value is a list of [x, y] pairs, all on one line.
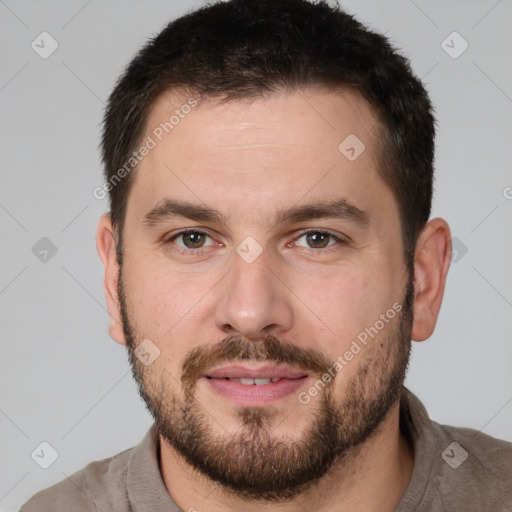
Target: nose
{"points": [[253, 301]]}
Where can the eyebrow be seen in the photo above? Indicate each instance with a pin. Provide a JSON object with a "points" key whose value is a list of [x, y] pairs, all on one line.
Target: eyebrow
{"points": [[339, 209], [168, 209]]}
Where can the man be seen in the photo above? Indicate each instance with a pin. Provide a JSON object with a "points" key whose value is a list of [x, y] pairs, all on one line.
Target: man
{"points": [[268, 259]]}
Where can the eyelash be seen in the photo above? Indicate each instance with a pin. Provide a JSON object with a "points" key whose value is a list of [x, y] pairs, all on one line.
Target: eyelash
{"points": [[201, 251]]}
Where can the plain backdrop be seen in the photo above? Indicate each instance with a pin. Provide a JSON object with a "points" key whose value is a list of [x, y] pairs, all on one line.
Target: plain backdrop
{"points": [[63, 380]]}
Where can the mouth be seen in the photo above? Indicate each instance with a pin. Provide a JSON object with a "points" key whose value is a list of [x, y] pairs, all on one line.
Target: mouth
{"points": [[256, 385]]}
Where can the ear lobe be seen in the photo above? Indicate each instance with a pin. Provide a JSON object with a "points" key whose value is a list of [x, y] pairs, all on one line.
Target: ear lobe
{"points": [[431, 263], [106, 246]]}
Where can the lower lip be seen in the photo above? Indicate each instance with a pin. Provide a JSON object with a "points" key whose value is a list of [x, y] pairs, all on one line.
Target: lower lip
{"points": [[254, 395]]}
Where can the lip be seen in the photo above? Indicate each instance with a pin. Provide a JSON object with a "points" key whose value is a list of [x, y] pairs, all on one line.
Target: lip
{"points": [[254, 395]]}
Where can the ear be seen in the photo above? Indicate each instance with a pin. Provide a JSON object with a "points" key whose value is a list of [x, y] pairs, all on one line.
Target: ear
{"points": [[431, 263], [106, 246]]}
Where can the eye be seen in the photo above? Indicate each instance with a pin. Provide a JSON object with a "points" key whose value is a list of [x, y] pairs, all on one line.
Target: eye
{"points": [[318, 239], [193, 241], [190, 239]]}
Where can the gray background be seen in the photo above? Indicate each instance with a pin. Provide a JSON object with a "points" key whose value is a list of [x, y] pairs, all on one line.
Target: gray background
{"points": [[64, 381]]}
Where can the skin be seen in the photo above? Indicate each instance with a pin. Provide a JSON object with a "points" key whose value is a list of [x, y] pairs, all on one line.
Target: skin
{"points": [[274, 152]]}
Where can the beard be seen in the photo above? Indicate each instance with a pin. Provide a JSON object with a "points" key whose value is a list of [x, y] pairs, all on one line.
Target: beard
{"points": [[252, 463]]}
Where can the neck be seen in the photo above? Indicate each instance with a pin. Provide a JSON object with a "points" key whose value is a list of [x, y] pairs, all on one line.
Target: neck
{"points": [[373, 477]]}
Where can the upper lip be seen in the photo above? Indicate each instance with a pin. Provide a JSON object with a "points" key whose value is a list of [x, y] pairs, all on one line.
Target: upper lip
{"points": [[259, 372]]}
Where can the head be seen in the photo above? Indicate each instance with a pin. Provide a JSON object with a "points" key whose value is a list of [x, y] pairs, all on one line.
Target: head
{"points": [[295, 146]]}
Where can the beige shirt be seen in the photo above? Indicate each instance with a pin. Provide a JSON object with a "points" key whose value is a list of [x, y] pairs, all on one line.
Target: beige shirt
{"points": [[455, 469]]}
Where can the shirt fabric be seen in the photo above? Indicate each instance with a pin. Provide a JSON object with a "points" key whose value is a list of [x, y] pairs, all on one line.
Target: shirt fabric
{"points": [[455, 470]]}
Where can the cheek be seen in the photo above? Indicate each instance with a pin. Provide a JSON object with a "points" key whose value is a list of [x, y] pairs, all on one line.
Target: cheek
{"points": [[157, 300], [344, 304], [159, 309], [347, 307]]}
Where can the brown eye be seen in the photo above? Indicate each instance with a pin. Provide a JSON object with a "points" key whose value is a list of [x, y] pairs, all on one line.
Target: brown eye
{"points": [[193, 240], [190, 239], [318, 239]]}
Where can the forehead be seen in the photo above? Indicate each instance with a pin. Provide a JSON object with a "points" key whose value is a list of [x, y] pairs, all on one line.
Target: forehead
{"points": [[309, 116], [272, 151]]}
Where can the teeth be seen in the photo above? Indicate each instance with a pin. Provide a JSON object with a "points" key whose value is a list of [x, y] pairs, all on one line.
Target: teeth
{"points": [[258, 382]]}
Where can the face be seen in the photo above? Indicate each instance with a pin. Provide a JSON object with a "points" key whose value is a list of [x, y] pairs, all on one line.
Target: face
{"points": [[263, 266]]}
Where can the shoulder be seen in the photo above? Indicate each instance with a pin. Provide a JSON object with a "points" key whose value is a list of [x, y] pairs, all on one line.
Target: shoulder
{"points": [[455, 468], [481, 455], [476, 469], [101, 485]]}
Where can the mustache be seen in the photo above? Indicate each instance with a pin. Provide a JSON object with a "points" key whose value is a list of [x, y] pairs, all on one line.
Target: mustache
{"points": [[236, 348]]}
